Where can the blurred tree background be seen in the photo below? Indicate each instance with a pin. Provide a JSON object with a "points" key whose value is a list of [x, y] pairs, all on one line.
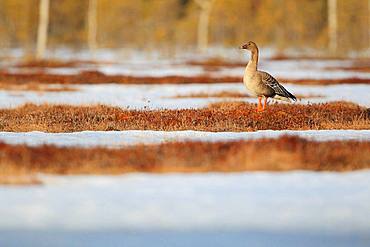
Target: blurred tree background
{"points": [[170, 24]]}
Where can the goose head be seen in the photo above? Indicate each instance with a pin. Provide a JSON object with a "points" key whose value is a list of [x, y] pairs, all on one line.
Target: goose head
{"points": [[251, 46]]}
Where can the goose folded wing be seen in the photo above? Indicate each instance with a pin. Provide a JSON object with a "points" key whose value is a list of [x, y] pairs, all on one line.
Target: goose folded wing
{"points": [[270, 81]]}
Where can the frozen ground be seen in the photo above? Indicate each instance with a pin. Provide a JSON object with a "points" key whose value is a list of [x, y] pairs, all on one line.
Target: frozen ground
{"points": [[234, 209], [267, 207], [162, 96], [131, 137], [293, 69], [302, 69]]}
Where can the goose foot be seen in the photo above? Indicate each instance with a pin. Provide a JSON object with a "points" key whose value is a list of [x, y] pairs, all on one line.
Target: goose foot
{"points": [[265, 103], [260, 107]]}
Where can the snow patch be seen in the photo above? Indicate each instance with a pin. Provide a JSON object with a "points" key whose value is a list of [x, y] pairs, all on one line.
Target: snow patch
{"points": [[164, 96], [290, 201], [116, 139]]}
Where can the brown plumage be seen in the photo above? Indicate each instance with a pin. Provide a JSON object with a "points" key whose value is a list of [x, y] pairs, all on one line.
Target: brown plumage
{"points": [[261, 84]]}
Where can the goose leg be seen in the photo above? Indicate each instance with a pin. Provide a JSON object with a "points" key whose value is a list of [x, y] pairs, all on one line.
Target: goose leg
{"points": [[259, 107], [265, 103]]}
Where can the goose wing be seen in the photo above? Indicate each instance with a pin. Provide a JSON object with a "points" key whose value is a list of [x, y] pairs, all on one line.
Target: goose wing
{"points": [[270, 81]]}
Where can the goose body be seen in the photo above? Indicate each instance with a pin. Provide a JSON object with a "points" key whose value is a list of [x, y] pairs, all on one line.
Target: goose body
{"points": [[261, 84]]}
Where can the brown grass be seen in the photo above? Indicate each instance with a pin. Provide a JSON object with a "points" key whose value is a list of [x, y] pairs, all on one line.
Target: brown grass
{"points": [[283, 154], [355, 68], [95, 77], [228, 116], [57, 63], [362, 64], [48, 64], [359, 69], [283, 57], [353, 80], [216, 63]]}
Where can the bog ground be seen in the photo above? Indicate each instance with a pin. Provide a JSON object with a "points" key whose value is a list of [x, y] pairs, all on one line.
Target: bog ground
{"points": [[145, 155], [127, 123]]}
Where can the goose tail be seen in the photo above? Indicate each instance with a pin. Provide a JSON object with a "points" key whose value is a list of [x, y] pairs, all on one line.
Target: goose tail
{"points": [[284, 98]]}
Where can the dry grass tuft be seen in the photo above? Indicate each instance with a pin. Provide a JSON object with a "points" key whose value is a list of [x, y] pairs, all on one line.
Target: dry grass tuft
{"points": [[283, 154], [227, 116]]}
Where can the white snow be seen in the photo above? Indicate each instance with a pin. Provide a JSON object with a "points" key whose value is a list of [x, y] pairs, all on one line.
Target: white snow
{"points": [[287, 69], [290, 201], [162, 96], [300, 69], [133, 137], [151, 96]]}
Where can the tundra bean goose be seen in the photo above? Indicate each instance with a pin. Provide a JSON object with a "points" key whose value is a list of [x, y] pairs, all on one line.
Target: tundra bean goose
{"points": [[261, 84]]}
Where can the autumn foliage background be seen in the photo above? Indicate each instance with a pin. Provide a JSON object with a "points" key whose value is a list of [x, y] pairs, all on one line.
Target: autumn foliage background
{"points": [[170, 25]]}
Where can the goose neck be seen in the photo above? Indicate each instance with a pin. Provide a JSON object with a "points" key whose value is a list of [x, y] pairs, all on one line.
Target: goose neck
{"points": [[252, 64]]}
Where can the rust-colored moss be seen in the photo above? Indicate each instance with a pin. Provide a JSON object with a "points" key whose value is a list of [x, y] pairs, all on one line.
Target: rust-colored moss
{"points": [[283, 154], [96, 77], [229, 116]]}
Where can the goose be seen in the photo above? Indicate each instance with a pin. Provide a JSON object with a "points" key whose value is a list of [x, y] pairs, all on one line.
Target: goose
{"points": [[261, 84]]}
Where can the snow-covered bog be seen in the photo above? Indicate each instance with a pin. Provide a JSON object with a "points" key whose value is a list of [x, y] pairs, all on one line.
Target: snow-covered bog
{"points": [[116, 139], [285, 202], [308, 203], [164, 96]]}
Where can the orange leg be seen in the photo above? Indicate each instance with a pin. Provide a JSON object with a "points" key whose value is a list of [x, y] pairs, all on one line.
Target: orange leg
{"points": [[265, 103], [259, 107]]}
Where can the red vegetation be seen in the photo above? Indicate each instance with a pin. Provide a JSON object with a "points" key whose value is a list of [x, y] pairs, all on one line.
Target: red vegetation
{"points": [[214, 63], [352, 80], [96, 77], [229, 116], [286, 153], [41, 64]]}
